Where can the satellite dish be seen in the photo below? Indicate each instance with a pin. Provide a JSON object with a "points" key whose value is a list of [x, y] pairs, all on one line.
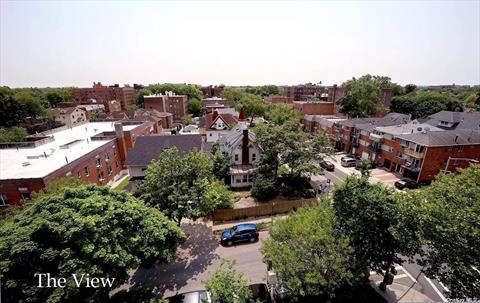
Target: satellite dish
{"points": [[419, 129]]}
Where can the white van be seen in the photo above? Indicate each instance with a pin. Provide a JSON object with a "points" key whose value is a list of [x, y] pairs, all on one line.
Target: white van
{"points": [[348, 162]]}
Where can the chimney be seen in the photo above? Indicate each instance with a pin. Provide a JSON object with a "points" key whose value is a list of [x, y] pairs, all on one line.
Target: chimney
{"points": [[245, 154], [242, 116], [122, 147], [214, 115]]}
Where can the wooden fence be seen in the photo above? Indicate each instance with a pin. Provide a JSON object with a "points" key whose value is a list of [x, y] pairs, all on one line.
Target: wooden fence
{"points": [[265, 209]]}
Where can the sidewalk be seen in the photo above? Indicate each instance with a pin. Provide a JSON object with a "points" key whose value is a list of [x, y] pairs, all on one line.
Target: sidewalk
{"points": [[404, 288], [230, 224]]}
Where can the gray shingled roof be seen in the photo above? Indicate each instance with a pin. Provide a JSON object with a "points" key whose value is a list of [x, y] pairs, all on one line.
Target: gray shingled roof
{"points": [[370, 123], [148, 148], [444, 138], [461, 120]]}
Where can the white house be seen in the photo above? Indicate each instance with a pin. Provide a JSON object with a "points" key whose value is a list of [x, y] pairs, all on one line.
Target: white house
{"points": [[239, 144]]}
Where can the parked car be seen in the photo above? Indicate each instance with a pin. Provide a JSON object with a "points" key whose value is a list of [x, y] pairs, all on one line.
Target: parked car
{"points": [[191, 297], [371, 165], [354, 156], [239, 233], [406, 183], [349, 162], [327, 165]]}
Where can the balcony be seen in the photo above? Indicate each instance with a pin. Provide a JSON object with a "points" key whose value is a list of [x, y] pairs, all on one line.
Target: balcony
{"points": [[355, 144], [375, 137], [412, 153], [375, 148], [409, 166]]}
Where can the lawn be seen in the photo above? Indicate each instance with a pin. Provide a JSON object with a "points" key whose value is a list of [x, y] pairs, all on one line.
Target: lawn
{"points": [[122, 184]]}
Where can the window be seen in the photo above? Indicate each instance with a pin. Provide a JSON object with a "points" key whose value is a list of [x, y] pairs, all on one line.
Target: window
{"points": [[244, 178], [116, 164], [236, 157], [460, 148], [78, 174], [87, 172], [101, 177], [107, 157], [97, 163], [419, 148], [450, 148], [110, 170], [254, 156], [3, 200], [238, 180]]}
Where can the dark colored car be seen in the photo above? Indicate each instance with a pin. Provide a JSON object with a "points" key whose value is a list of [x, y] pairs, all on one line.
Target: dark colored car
{"points": [[406, 183], [239, 233], [358, 165], [327, 165]]}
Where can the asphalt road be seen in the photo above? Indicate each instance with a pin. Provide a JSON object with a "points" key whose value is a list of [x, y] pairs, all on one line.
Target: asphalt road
{"points": [[198, 256]]}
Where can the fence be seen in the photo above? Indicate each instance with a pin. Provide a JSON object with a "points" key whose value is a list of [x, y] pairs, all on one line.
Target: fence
{"points": [[266, 209]]}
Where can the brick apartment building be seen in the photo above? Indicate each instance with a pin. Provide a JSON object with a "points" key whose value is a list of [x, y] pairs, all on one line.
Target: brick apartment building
{"points": [[102, 94], [212, 103], [212, 91], [91, 152], [170, 103], [276, 99], [161, 121], [314, 107], [304, 92], [412, 149]]}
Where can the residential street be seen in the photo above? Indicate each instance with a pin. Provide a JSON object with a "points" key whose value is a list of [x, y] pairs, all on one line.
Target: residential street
{"points": [[200, 254]]}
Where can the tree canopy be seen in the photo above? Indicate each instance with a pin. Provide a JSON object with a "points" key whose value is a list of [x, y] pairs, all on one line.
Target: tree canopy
{"points": [[252, 104], [179, 185], [190, 90], [362, 93], [227, 285], [83, 230], [13, 134], [281, 113], [310, 257], [194, 107], [422, 104], [366, 214], [442, 221]]}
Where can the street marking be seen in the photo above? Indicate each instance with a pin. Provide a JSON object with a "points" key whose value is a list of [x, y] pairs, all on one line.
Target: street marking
{"points": [[443, 285], [406, 272], [436, 289], [401, 276]]}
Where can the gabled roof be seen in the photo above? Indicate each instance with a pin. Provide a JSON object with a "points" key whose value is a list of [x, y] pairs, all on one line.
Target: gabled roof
{"points": [[235, 136], [65, 110], [443, 138], [148, 148], [208, 120]]}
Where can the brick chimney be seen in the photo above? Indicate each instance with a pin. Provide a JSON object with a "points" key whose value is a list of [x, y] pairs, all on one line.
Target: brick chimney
{"points": [[214, 115], [242, 117], [245, 154], [121, 144]]}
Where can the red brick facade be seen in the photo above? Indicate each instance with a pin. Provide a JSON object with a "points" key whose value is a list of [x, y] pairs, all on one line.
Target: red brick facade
{"points": [[103, 94], [176, 105], [314, 107]]}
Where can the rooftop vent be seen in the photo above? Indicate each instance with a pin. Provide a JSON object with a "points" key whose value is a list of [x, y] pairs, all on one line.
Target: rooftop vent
{"points": [[26, 163]]}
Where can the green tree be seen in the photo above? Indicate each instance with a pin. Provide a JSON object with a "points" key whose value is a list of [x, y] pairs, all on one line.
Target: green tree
{"points": [[13, 134], [56, 95], [187, 120], [442, 223], [410, 88], [217, 196], [366, 214], [308, 254], [425, 103], [57, 186], [88, 229], [177, 184], [363, 92], [191, 91], [140, 95], [227, 285], [264, 90], [194, 107], [281, 113], [221, 166], [233, 95], [252, 104], [264, 187]]}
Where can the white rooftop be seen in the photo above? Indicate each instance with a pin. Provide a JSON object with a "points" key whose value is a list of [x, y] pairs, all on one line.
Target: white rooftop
{"points": [[23, 163], [412, 127]]}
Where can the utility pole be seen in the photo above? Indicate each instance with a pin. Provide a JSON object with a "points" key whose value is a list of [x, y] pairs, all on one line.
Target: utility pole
{"points": [[448, 163]]}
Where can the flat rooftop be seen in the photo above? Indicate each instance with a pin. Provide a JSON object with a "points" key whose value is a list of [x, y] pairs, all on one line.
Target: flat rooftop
{"points": [[72, 143]]}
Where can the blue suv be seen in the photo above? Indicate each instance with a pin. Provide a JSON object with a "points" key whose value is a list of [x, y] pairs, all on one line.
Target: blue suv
{"points": [[239, 233]]}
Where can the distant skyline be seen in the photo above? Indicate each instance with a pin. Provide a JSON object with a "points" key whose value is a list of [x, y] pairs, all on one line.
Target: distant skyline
{"points": [[76, 43]]}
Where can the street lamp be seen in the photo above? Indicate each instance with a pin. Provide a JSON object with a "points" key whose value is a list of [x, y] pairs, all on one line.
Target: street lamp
{"points": [[462, 159]]}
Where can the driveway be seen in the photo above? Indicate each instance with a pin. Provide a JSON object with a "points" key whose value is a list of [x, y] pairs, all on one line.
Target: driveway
{"points": [[199, 255]]}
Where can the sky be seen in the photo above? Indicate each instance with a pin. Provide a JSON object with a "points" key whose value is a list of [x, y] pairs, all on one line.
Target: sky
{"points": [[74, 43]]}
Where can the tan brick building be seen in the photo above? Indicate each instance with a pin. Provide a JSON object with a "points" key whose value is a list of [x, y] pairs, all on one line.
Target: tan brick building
{"points": [[170, 103]]}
